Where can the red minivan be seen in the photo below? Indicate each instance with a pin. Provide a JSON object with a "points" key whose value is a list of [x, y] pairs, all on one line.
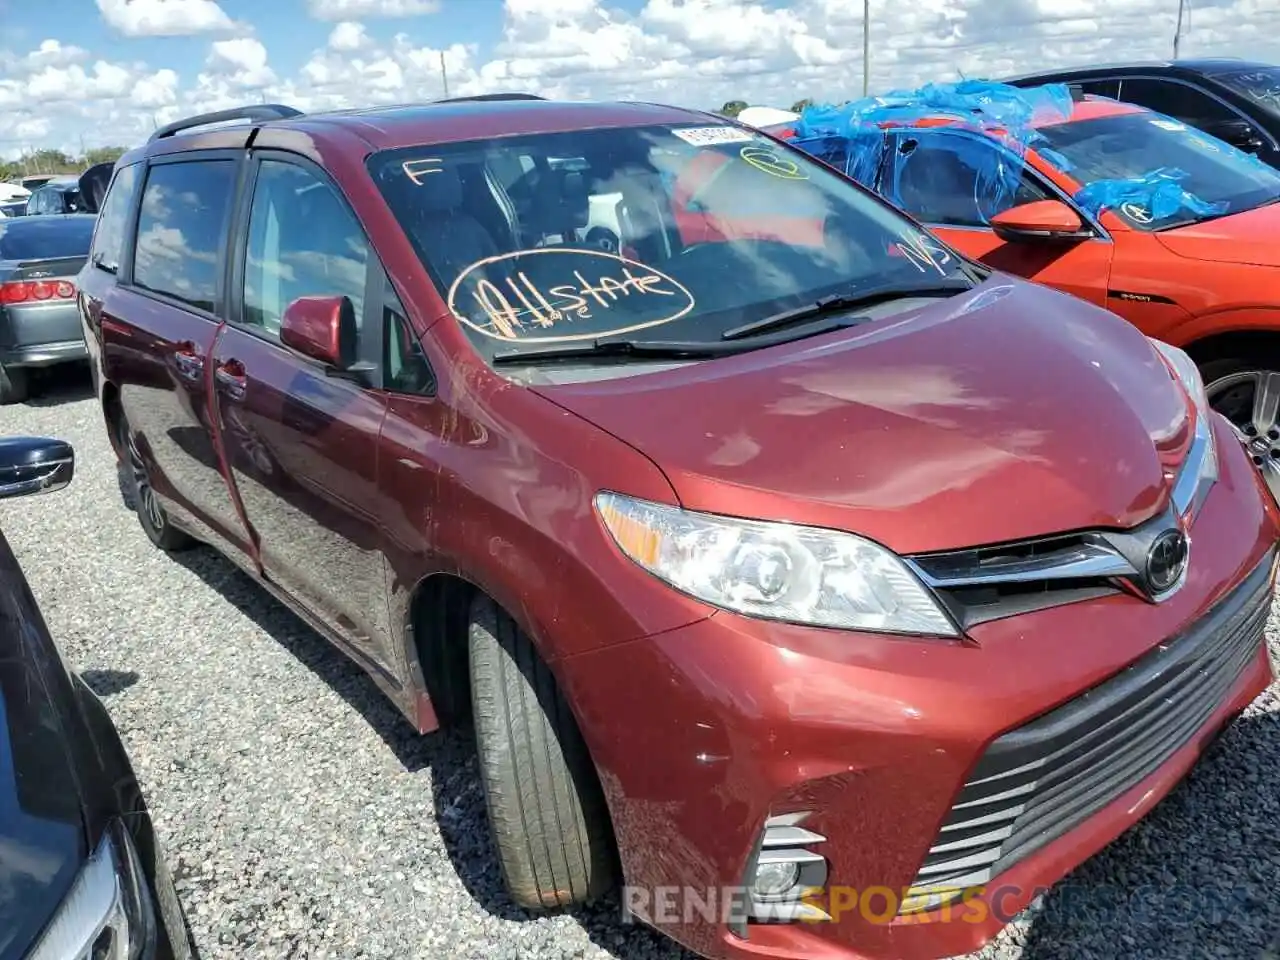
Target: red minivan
{"points": [[831, 592]]}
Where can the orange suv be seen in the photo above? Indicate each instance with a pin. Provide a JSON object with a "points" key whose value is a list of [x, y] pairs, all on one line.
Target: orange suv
{"points": [[1172, 229]]}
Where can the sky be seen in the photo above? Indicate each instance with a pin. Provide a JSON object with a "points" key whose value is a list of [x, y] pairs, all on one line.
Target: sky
{"points": [[76, 74]]}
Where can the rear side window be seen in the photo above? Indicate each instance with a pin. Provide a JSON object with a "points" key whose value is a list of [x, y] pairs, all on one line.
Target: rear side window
{"points": [[113, 221], [43, 238], [185, 207]]}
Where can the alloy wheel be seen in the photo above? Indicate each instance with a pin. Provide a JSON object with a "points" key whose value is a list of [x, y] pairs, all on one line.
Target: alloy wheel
{"points": [[147, 501], [1250, 400]]}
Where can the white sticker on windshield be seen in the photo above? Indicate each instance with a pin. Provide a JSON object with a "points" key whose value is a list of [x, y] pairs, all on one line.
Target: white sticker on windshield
{"points": [[1173, 125], [710, 136]]}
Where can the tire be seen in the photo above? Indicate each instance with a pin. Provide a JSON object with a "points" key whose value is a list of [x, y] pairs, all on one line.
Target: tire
{"points": [[546, 810], [1233, 386], [13, 385], [142, 499], [1219, 372]]}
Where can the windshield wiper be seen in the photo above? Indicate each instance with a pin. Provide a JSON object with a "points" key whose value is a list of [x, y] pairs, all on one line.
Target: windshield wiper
{"points": [[661, 349], [847, 301], [647, 349]]}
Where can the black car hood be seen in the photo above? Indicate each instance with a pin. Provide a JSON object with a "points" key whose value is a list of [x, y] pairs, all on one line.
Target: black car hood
{"points": [[42, 833]]}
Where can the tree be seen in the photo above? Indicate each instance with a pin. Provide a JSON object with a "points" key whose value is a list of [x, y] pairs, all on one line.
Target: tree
{"points": [[56, 161], [799, 105], [733, 108], [103, 155]]}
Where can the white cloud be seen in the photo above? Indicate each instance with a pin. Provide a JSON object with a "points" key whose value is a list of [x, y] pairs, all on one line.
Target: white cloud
{"points": [[244, 61], [155, 90], [164, 18], [348, 35], [352, 9], [687, 52], [51, 53]]}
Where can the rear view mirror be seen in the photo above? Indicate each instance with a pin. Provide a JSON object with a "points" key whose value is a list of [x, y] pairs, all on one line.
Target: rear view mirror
{"points": [[1039, 220], [324, 329], [34, 465]]}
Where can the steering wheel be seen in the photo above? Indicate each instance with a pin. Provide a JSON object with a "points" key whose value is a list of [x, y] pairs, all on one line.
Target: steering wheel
{"points": [[604, 239]]}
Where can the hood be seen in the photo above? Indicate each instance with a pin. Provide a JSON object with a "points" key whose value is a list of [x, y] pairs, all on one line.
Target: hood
{"points": [[1009, 412], [42, 837], [1252, 236]]}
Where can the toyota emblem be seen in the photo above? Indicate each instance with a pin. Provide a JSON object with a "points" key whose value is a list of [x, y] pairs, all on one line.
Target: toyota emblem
{"points": [[1166, 561]]}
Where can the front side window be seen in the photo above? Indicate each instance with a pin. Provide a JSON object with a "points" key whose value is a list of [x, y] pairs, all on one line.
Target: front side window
{"points": [[655, 233], [304, 241], [956, 179], [181, 230], [1174, 99], [1131, 148], [113, 221]]}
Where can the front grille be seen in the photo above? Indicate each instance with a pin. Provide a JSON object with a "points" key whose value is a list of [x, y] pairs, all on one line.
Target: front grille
{"points": [[1036, 783]]}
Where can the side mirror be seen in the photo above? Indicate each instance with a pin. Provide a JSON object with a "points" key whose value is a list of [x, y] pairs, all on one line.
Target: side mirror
{"points": [[1039, 220], [324, 329], [1239, 133], [34, 465]]}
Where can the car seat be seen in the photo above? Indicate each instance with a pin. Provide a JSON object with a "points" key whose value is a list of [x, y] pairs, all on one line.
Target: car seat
{"points": [[560, 209], [448, 235]]}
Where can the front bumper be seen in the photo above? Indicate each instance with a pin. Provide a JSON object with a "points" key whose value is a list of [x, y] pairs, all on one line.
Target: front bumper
{"points": [[703, 733]]}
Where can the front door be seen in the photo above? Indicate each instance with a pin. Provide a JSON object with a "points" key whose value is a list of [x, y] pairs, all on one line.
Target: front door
{"points": [[954, 182], [301, 445]]}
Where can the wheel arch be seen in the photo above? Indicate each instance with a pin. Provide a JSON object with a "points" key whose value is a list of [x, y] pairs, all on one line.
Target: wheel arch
{"points": [[437, 620], [1234, 343], [111, 413]]}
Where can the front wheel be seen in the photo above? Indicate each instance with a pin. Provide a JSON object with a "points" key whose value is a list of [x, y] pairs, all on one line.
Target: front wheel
{"points": [[142, 496], [546, 809], [1247, 393]]}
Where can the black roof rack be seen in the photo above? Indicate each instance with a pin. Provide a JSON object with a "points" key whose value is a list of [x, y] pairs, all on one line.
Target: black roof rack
{"points": [[486, 97], [257, 111]]}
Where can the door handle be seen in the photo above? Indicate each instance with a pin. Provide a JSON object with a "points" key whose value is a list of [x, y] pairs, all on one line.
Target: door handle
{"points": [[231, 375], [190, 363]]}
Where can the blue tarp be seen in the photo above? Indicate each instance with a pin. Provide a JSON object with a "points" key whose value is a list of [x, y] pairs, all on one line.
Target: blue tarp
{"points": [[852, 137], [1156, 196]]}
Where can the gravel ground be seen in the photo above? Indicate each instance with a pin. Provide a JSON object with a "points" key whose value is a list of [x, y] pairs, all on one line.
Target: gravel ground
{"points": [[304, 818]]}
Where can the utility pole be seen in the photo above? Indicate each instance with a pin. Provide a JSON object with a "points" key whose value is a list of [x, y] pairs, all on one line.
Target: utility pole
{"points": [[866, 47], [444, 77], [1177, 33]]}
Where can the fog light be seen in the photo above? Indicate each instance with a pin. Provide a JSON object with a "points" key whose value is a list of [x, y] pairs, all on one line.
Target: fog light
{"points": [[775, 878]]}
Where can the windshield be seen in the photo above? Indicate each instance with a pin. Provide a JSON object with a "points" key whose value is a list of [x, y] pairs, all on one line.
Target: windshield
{"points": [[40, 238], [655, 233], [1259, 84], [1132, 146]]}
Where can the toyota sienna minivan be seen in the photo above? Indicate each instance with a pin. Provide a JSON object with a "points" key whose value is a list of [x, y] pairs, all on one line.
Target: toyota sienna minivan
{"points": [[799, 575]]}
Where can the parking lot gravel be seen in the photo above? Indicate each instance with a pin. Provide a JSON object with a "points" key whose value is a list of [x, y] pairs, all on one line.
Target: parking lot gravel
{"points": [[303, 818]]}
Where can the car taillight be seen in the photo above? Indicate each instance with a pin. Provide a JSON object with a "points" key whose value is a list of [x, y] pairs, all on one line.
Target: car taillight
{"points": [[28, 291]]}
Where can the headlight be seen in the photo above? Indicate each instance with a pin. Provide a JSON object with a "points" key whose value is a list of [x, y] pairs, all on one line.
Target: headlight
{"points": [[108, 914], [1200, 470], [778, 571]]}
